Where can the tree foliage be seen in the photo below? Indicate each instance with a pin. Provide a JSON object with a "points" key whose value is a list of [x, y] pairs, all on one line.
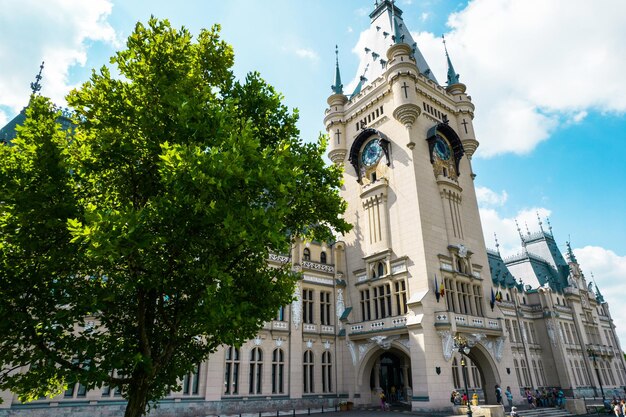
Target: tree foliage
{"points": [[136, 244]]}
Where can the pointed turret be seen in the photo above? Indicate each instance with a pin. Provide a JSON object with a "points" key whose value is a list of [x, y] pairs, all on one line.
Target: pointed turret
{"points": [[337, 87], [453, 77], [599, 296], [570, 254]]}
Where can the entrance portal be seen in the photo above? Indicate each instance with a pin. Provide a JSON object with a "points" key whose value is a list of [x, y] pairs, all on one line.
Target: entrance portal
{"points": [[394, 377]]}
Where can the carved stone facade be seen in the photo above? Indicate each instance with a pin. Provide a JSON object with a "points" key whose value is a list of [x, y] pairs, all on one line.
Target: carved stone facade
{"points": [[381, 307]]}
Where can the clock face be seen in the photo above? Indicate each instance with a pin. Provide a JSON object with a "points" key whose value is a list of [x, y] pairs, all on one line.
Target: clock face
{"points": [[371, 153], [442, 149]]}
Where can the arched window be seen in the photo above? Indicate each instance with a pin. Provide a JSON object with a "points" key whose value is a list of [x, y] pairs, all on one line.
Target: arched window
{"points": [[278, 371], [231, 371], [323, 257], [536, 371], [380, 269], [327, 372], [508, 298], [306, 254], [308, 372], [256, 371]]}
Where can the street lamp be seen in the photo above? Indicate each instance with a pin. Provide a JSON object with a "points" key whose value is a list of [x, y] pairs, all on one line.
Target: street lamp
{"points": [[592, 354], [461, 343]]}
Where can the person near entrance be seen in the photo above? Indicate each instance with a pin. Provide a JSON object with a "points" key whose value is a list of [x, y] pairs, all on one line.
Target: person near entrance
{"points": [[498, 394], [509, 397]]}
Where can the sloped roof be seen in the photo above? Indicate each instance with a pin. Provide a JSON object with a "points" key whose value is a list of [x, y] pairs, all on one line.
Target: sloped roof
{"points": [[374, 43], [8, 132]]}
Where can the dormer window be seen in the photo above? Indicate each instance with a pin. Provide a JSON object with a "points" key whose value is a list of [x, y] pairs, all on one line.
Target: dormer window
{"points": [[306, 254]]}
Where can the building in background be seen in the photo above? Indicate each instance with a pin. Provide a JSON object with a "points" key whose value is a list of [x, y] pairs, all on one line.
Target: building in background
{"points": [[387, 307]]}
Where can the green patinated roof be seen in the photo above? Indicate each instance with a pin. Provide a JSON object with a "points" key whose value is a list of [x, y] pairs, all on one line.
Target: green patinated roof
{"points": [[500, 274]]}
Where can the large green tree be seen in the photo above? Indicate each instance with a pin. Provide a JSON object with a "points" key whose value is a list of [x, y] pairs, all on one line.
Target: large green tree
{"points": [[135, 244]]}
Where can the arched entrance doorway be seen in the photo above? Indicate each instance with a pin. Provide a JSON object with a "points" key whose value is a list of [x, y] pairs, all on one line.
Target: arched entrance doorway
{"points": [[393, 377], [481, 374], [387, 371]]}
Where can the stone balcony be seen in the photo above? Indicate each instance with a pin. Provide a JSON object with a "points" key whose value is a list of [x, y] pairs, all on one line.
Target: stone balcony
{"points": [[457, 321], [388, 323]]}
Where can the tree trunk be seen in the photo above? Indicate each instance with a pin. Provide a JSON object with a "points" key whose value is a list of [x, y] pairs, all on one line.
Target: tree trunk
{"points": [[137, 397]]}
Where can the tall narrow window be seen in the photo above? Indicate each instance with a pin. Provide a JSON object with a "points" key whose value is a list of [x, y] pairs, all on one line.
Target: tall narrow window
{"points": [[306, 254], [327, 372], [518, 373], [450, 294], [323, 257], [366, 312], [231, 371], [278, 371], [382, 301], [280, 315], [308, 372], [191, 380], [307, 306], [325, 308], [455, 374], [256, 371], [400, 287]]}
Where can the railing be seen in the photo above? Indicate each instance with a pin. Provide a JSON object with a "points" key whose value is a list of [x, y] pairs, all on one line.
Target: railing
{"points": [[317, 266], [384, 324]]}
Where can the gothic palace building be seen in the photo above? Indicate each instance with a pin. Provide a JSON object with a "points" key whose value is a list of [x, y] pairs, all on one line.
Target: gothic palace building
{"points": [[384, 308]]}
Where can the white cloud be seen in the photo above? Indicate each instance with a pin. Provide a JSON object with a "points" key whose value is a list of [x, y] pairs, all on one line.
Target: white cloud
{"points": [[424, 16], [533, 66], [350, 30], [609, 270], [307, 54], [57, 33], [362, 11], [488, 197]]}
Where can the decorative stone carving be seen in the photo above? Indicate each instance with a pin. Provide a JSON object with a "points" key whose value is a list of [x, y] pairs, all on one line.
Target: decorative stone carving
{"points": [[258, 340], [406, 343], [363, 348], [462, 251], [340, 305], [309, 343], [384, 341], [352, 352], [296, 307], [447, 344], [474, 338], [279, 341], [499, 349], [550, 327], [326, 344]]}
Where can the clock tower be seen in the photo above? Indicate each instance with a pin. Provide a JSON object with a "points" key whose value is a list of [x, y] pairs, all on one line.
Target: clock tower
{"points": [[416, 268]]}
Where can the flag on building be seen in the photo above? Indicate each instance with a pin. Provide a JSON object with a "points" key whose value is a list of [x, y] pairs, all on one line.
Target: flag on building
{"points": [[437, 294], [492, 302]]}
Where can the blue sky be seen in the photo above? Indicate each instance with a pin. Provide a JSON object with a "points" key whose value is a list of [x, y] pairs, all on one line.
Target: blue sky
{"points": [[546, 78]]}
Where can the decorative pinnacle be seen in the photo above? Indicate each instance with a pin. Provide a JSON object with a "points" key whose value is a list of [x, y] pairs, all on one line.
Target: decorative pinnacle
{"points": [[521, 236], [337, 87], [549, 225], [497, 243], [362, 80], [453, 77], [527, 231], [35, 87], [540, 223], [570, 253]]}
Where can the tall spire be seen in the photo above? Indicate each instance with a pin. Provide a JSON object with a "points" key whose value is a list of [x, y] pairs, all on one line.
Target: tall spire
{"points": [[453, 77], [497, 243], [337, 87], [36, 87], [570, 253]]}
